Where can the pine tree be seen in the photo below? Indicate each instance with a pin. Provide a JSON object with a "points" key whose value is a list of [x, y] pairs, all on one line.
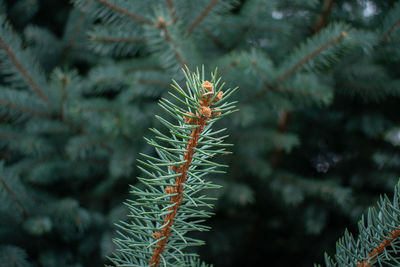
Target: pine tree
{"points": [[316, 138]]}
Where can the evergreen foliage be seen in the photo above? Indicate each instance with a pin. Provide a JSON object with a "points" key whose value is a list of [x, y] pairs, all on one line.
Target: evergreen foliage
{"points": [[377, 239], [171, 200], [316, 139]]}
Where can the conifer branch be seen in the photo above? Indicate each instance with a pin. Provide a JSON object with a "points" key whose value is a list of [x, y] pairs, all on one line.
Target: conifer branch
{"points": [[23, 71], [231, 65], [24, 109], [206, 100], [170, 5], [379, 249], [215, 39], [322, 19], [75, 33], [162, 24], [201, 16], [117, 39], [283, 121], [283, 124], [310, 56], [245, 29], [64, 83], [125, 12], [178, 188], [76, 30], [296, 66], [390, 31], [14, 198], [268, 85], [265, 82], [172, 204]]}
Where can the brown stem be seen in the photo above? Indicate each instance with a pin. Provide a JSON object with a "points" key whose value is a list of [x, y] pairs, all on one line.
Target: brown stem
{"points": [[37, 113], [14, 198], [170, 5], [125, 12], [379, 249], [268, 85], [230, 66], [163, 26], [24, 109], [64, 82], [265, 81], [310, 56], [322, 19], [23, 71], [390, 31], [202, 16], [214, 38], [177, 190], [75, 33], [283, 124], [296, 66], [177, 199], [117, 39]]}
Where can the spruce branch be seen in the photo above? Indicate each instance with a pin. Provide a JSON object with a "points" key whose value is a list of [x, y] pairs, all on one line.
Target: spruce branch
{"points": [[125, 12], [283, 124], [22, 70], [177, 190], [230, 66], [75, 33], [391, 22], [266, 83], [214, 38], [171, 9], [14, 197], [283, 121], [390, 31], [110, 39], [64, 83], [170, 204], [201, 16], [24, 109], [379, 249], [377, 241], [296, 66], [322, 19], [162, 24], [304, 60]]}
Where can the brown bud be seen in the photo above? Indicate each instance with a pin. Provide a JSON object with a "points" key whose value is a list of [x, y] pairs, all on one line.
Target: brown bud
{"points": [[218, 97], [174, 168], [205, 111], [208, 86], [190, 120], [157, 235], [170, 190], [161, 23], [215, 113], [203, 102]]}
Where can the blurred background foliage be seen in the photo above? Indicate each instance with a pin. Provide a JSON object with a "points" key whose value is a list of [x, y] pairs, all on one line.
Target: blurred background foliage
{"points": [[316, 139]]}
